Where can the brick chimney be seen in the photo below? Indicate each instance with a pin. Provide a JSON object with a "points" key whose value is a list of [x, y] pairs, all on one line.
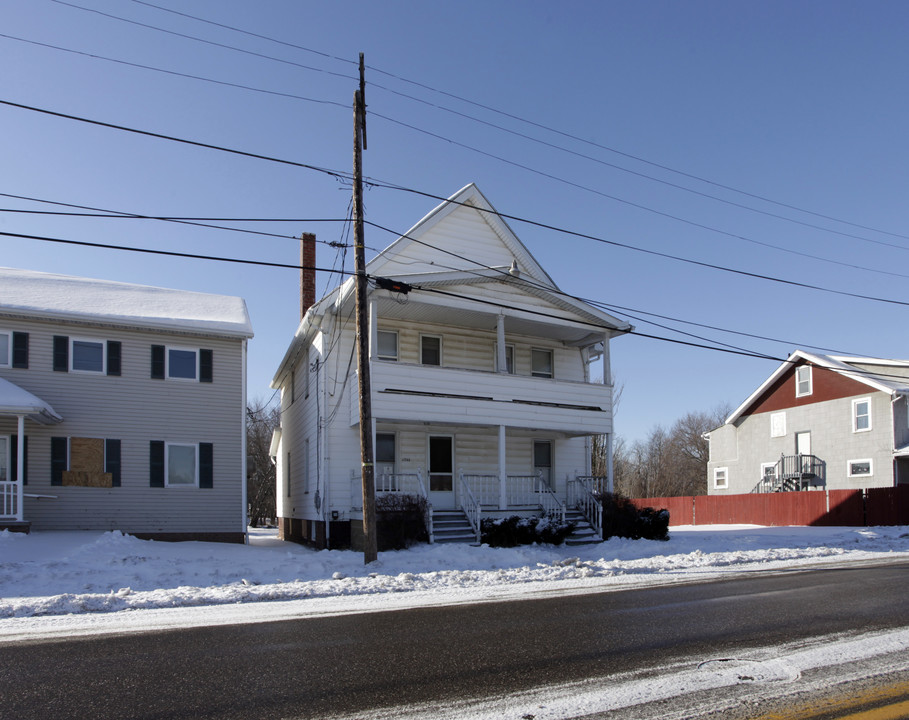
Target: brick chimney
{"points": [[307, 272]]}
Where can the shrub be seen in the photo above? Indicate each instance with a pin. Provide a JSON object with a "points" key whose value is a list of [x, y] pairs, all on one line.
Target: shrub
{"points": [[515, 530], [400, 521], [621, 518]]}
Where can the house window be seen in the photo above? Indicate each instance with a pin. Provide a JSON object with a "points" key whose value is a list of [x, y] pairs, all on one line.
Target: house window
{"points": [[6, 347], [778, 424], [860, 468], [430, 350], [182, 465], [720, 478], [541, 363], [861, 415], [542, 460], [802, 380], [385, 453], [509, 359], [387, 345], [4, 459], [768, 471], [13, 349], [182, 363], [85, 462], [86, 355]]}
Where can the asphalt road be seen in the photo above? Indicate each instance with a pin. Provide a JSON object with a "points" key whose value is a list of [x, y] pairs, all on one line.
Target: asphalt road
{"points": [[313, 668]]}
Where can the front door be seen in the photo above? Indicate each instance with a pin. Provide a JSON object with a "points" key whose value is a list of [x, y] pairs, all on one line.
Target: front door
{"points": [[441, 471], [803, 449]]}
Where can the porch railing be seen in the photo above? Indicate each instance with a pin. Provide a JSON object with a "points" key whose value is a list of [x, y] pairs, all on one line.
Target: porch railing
{"points": [[597, 483], [792, 473], [582, 495], [485, 488], [471, 507], [523, 490], [9, 501]]}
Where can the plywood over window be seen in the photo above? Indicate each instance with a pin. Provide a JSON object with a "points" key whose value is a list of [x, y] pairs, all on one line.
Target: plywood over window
{"points": [[86, 464]]}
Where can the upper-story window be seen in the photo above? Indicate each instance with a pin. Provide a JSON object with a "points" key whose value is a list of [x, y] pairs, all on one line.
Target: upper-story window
{"points": [[802, 380], [181, 363], [509, 359], [86, 355], [430, 350], [6, 348], [861, 415], [387, 345], [541, 363]]}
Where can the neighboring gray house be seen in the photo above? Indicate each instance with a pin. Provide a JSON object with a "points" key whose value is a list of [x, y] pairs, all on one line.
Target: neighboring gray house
{"points": [[122, 407], [482, 398], [818, 422]]}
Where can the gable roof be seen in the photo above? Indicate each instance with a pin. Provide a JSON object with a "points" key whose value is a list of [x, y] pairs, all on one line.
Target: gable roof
{"points": [[425, 241], [66, 297], [847, 366]]}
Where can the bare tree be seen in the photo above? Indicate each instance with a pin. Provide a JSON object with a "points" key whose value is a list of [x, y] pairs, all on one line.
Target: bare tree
{"points": [[667, 463], [261, 421]]}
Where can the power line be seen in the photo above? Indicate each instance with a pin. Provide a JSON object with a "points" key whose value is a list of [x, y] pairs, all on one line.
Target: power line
{"points": [[512, 116], [346, 176]]}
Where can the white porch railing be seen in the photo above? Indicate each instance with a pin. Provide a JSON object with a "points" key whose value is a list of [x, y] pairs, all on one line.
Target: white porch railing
{"points": [[9, 501], [583, 496], [520, 491], [471, 507], [485, 488]]}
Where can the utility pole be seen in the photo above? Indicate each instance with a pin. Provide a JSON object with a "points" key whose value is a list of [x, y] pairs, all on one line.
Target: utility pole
{"points": [[370, 545]]}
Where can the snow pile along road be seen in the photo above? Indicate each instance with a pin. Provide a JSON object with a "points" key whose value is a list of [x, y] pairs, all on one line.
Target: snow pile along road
{"points": [[46, 574]]}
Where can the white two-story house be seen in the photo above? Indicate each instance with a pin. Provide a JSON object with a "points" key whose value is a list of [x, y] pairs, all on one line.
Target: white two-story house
{"points": [[481, 389], [122, 407]]}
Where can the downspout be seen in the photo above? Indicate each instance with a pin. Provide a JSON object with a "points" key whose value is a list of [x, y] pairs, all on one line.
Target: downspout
{"points": [[243, 470]]}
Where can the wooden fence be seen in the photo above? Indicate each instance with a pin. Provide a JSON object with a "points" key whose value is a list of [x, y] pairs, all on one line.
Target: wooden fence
{"points": [[858, 508]]}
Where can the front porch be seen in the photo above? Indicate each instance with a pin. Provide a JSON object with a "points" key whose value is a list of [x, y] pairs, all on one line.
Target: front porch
{"points": [[478, 496]]}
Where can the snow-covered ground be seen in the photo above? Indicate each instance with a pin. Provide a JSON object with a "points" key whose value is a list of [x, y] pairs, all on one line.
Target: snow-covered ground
{"points": [[69, 582], [55, 585]]}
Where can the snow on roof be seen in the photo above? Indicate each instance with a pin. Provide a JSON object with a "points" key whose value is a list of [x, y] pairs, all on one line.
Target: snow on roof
{"points": [[16, 401], [104, 301]]}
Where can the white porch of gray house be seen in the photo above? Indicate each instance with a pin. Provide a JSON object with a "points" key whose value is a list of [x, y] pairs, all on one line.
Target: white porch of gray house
{"points": [[23, 405]]}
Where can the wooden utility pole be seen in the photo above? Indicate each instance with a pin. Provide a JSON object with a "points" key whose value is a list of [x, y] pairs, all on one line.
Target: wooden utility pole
{"points": [[370, 545]]}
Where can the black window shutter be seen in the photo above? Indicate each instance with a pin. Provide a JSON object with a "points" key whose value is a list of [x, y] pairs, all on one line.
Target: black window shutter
{"points": [[112, 460], [61, 353], [206, 366], [59, 459], [156, 463], [113, 357], [206, 465], [14, 460], [20, 350], [157, 362]]}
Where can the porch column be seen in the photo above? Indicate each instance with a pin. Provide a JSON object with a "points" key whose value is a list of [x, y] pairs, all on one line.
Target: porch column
{"points": [[501, 361], [373, 331], [503, 470], [20, 468], [607, 365]]}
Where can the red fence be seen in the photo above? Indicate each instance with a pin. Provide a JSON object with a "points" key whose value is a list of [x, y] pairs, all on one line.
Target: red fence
{"points": [[877, 506]]}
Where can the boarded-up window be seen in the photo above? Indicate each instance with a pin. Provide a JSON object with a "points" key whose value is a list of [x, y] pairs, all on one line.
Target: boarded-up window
{"points": [[778, 424], [86, 464]]}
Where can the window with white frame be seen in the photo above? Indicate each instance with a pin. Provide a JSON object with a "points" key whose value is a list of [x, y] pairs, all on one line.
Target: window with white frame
{"points": [[860, 468], [861, 415], [4, 458], [509, 359], [87, 355], [5, 348], [802, 380], [430, 350], [182, 363], [778, 424], [541, 363], [387, 345], [720, 477], [182, 463], [768, 471]]}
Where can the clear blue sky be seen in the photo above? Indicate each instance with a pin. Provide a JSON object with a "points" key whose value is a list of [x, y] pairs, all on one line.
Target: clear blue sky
{"points": [[801, 103]]}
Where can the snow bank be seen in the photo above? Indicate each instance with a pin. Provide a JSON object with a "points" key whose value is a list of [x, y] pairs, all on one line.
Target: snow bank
{"points": [[73, 573]]}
